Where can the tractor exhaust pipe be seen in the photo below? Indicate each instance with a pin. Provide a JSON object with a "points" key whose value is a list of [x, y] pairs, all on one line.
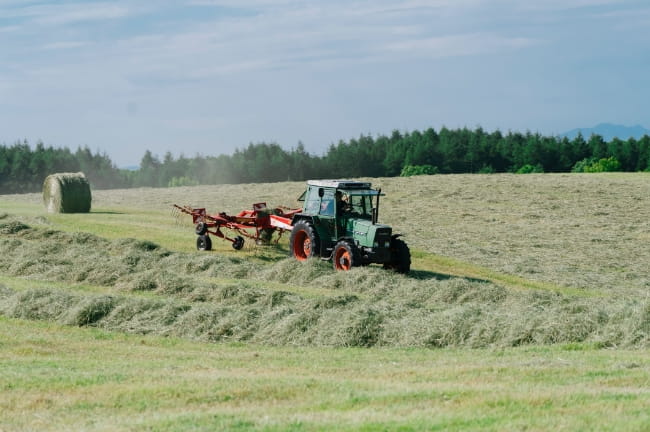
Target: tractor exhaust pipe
{"points": [[375, 211]]}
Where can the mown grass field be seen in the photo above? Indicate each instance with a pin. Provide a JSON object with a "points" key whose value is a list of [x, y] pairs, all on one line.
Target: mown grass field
{"points": [[63, 378], [527, 308]]}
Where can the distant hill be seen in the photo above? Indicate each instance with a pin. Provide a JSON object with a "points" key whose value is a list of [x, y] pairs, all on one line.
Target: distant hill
{"points": [[609, 131]]}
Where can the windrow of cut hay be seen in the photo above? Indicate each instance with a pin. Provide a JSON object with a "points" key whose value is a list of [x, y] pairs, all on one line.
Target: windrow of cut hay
{"points": [[283, 302], [67, 193]]}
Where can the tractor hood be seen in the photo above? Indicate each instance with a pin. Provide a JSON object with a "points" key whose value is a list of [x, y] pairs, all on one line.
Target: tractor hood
{"points": [[366, 234]]}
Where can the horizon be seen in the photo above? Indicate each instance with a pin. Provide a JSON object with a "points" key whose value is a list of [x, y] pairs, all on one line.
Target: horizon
{"points": [[212, 76]]}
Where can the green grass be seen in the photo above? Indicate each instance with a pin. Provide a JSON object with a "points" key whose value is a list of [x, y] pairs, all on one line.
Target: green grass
{"points": [[75, 379], [445, 266]]}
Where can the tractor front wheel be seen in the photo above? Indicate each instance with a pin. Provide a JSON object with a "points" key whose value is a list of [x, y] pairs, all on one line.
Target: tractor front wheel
{"points": [[345, 256], [203, 243], [303, 241], [400, 257]]}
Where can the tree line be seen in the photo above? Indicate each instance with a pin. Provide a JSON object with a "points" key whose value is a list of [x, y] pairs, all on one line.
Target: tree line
{"points": [[23, 169]]}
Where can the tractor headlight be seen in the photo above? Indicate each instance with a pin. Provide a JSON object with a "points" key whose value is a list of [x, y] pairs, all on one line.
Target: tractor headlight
{"points": [[375, 244], [387, 244]]}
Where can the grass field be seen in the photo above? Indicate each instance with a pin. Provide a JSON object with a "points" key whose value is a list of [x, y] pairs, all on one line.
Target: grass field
{"points": [[527, 308], [63, 378]]}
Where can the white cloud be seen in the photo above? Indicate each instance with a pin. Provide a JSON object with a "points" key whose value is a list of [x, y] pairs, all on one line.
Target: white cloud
{"points": [[458, 45], [59, 14], [5, 3], [279, 34], [64, 45], [9, 29], [82, 13], [245, 4], [227, 69], [567, 4]]}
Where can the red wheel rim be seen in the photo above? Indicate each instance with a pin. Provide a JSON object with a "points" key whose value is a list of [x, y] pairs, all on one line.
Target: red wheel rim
{"points": [[343, 260], [301, 246], [306, 247]]}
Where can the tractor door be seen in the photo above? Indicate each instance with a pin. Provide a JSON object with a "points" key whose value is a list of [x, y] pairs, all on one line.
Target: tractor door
{"points": [[311, 201], [320, 206], [327, 214]]}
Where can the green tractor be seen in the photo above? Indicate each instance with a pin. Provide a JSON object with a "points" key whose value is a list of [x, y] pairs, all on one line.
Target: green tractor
{"points": [[338, 221]]}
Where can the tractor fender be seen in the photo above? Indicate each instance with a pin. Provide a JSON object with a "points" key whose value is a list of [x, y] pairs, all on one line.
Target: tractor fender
{"points": [[394, 236], [299, 217]]}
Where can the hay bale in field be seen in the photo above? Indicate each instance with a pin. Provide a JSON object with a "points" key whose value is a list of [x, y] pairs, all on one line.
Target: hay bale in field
{"points": [[67, 193]]}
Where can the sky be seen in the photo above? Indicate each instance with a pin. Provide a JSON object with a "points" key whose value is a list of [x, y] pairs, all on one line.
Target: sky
{"points": [[210, 76]]}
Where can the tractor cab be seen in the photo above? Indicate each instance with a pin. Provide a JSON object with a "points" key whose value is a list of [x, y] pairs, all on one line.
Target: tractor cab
{"points": [[324, 196], [337, 203]]}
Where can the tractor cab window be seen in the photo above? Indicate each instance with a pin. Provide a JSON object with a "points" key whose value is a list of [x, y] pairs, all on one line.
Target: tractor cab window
{"points": [[312, 201], [327, 203], [361, 206]]}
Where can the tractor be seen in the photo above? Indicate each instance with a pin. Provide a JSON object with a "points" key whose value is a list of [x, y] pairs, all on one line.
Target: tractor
{"points": [[338, 221]]}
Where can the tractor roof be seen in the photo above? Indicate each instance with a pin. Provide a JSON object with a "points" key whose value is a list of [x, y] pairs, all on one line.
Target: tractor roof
{"points": [[340, 184]]}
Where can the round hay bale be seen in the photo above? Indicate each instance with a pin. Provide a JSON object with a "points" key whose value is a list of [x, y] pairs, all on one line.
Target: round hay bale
{"points": [[67, 193]]}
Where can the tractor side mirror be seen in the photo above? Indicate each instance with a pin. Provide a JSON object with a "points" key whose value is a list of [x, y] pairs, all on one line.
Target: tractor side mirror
{"points": [[321, 192]]}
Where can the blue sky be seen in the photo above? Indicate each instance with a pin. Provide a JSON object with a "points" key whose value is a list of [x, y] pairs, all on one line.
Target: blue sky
{"points": [[209, 76]]}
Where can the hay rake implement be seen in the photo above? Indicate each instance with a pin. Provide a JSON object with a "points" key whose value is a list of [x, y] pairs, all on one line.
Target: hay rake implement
{"points": [[258, 224]]}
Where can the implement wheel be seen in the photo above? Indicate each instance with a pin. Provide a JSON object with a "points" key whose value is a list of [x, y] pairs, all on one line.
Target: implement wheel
{"points": [[203, 243], [201, 228], [238, 243], [304, 241], [400, 257], [345, 256]]}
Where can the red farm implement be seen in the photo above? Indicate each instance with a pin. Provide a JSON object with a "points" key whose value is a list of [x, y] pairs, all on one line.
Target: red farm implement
{"points": [[258, 224]]}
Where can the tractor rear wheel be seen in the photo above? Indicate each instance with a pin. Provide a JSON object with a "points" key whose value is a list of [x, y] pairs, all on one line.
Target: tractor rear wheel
{"points": [[400, 257], [345, 256], [304, 241], [203, 243]]}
